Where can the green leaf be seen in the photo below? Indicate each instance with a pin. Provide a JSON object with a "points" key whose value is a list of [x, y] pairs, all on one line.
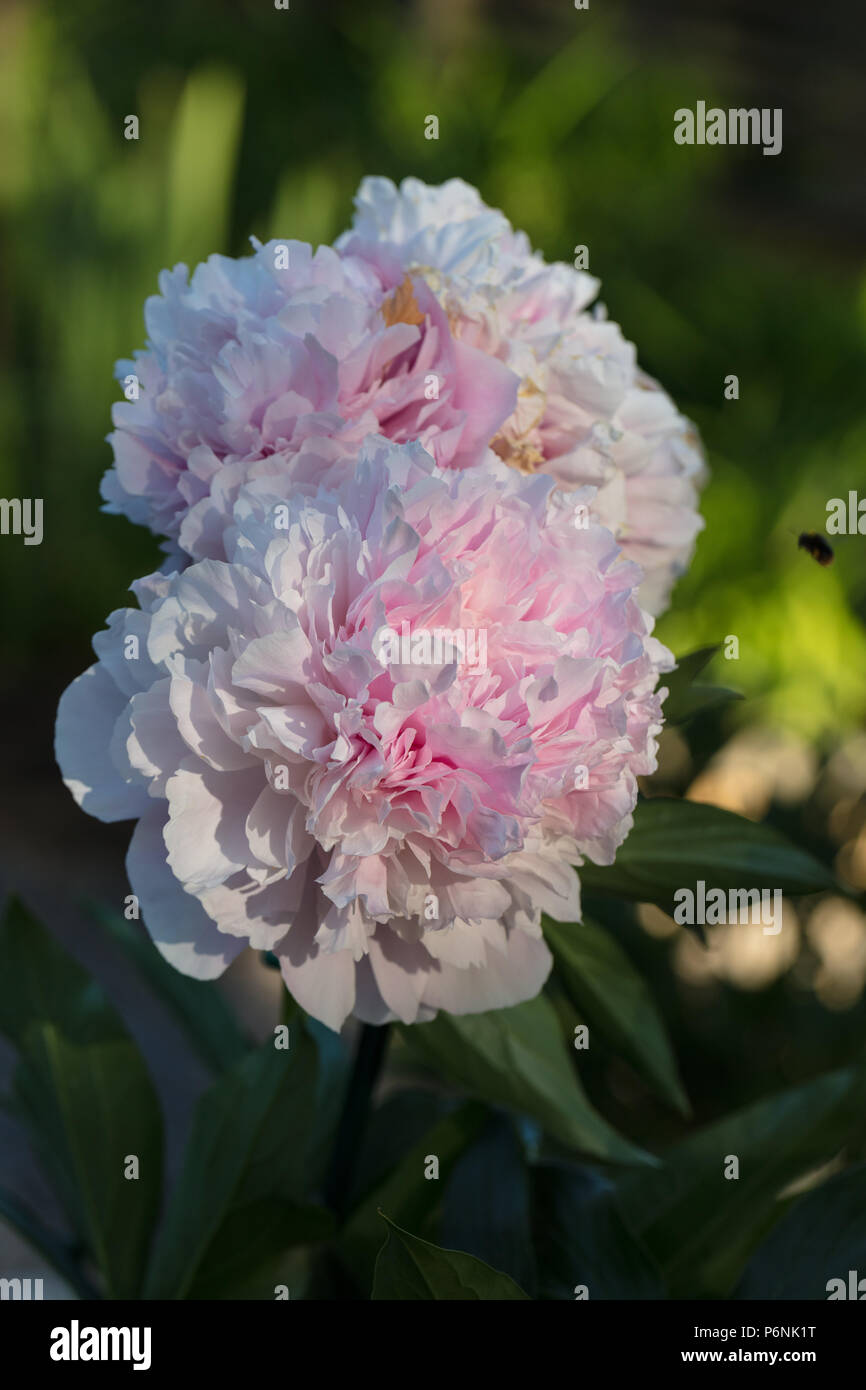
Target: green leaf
{"points": [[609, 994], [394, 1127], [486, 1204], [48, 1244], [701, 1226], [405, 1190], [821, 1237], [292, 1267], [90, 1108], [411, 1268], [675, 843], [699, 699], [581, 1239], [197, 1005], [41, 983], [249, 1242], [517, 1058], [248, 1148], [690, 666], [83, 1089], [685, 699]]}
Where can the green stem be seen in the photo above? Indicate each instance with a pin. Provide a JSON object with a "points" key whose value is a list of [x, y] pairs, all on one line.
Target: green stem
{"points": [[369, 1057]]}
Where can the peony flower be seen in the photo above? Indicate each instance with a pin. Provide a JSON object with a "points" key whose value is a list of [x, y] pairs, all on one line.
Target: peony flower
{"points": [[310, 774], [585, 412], [253, 361]]}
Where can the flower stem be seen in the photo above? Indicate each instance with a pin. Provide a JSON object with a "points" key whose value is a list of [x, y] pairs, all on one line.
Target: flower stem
{"points": [[369, 1056]]}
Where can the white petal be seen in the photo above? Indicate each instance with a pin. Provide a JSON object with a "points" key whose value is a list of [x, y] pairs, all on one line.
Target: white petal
{"points": [[88, 711], [507, 978], [181, 929], [206, 831]]}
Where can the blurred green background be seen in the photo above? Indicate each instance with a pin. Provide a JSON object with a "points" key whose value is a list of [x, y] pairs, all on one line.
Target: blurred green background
{"points": [[258, 121], [715, 261]]}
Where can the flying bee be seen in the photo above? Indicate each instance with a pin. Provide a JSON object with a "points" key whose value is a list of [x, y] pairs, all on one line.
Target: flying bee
{"points": [[817, 545]]}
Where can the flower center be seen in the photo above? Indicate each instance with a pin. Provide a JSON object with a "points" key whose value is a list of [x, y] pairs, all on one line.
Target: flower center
{"points": [[402, 306]]}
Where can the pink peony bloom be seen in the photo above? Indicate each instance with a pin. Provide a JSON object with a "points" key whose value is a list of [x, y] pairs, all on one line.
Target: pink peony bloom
{"points": [[252, 362], [390, 820], [585, 412]]}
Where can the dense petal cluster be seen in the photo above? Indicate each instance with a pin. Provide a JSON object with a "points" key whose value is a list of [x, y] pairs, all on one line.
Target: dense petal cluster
{"points": [[252, 361], [396, 679], [585, 412], [432, 320], [389, 820]]}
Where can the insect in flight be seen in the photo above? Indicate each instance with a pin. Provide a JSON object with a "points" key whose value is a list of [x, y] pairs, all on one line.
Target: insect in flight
{"points": [[817, 545]]}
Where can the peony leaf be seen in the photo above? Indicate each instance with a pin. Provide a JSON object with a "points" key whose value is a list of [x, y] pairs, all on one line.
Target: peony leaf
{"points": [[675, 843], [486, 1203], [690, 666], [701, 1226], [581, 1239], [395, 1126], [698, 699], [56, 1251], [197, 1005], [608, 992], [685, 699], [41, 983], [240, 1261], [517, 1058], [404, 1189], [83, 1090], [91, 1110], [411, 1268], [821, 1237], [249, 1148]]}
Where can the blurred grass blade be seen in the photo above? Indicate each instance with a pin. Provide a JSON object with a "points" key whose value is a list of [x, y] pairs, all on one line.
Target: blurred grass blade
{"points": [[202, 159], [562, 94]]}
